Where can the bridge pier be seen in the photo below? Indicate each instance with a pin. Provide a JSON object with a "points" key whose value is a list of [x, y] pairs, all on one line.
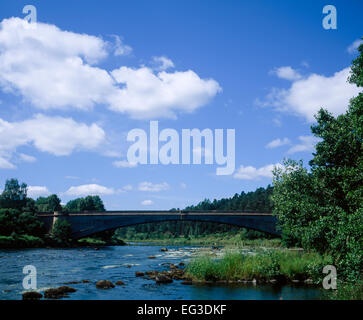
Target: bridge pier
{"points": [[58, 215]]}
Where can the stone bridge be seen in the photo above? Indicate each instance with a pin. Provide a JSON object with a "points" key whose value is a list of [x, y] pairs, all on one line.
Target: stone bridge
{"points": [[88, 223]]}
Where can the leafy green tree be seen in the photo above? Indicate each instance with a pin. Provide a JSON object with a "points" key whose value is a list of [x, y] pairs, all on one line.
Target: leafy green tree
{"points": [[62, 232], [48, 204], [323, 209], [89, 203], [14, 195]]}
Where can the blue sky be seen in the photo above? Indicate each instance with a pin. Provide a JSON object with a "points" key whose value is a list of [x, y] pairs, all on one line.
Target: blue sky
{"points": [[72, 88]]}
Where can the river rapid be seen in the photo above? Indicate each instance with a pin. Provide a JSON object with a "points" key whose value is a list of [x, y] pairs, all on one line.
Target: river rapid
{"points": [[58, 266]]}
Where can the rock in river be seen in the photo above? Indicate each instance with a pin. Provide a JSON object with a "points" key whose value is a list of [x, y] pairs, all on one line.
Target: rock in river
{"points": [[163, 249], [57, 293], [162, 278], [104, 284], [31, 295], [139, 274], [120, 283]]}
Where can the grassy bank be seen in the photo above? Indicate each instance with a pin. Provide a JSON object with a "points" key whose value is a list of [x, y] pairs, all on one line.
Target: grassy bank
{"points": [[271, 265], [20, 241]]}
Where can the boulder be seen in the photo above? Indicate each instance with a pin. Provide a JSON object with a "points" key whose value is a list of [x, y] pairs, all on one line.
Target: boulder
{"points": [[163, 249], [139, 274], [66, 289], [151, 257], [54, 293], [85, 281], [162, 278], [104, 284], [31, 295]]}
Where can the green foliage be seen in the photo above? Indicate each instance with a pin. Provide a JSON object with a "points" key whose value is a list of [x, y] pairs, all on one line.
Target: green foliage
{"points": [[254, 201], [282, 265], [15, 221], [48, 204], [14, 195], [323, 209], [20, 241], [62, 232], [89, 203]]}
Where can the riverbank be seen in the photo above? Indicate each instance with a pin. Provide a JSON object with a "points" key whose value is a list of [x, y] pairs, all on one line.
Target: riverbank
{"points": [[26, 241], [212, 240]]}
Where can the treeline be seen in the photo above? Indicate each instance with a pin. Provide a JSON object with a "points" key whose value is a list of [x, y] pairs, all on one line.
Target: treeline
{"points": [[254, 201], [19, 225]]}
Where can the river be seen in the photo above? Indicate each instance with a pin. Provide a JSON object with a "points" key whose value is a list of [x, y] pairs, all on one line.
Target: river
{"points": [[57, 266]]}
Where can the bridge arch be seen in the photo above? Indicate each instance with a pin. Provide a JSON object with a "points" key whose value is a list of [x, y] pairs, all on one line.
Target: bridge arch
{"points": [[86, 224]]}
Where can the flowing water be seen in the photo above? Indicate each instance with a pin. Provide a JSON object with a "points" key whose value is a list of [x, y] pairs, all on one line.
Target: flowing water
{"points": [[57, 266]]}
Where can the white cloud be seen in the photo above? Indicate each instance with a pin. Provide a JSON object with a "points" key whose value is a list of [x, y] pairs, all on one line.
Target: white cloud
{"points": [[278, 143], [121, 49], [252, 173], [148, 95], [354, 46], [146, 203], [163, 62], [286, 73], [37, 191], [27, 158], [149, 186], [56, 135], [89, 189], [6, 164], [124, 164], [52, 68], [307, 144], [307, 95]]}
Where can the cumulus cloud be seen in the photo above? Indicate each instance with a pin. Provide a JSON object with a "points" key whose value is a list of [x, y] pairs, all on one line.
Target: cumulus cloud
{"points": [[252, 173], [354, 46], [124, 164], [151, 187], [163, 63], [52, 68], [146, 203], [89, 189], [37, 191], [287, 73], [56, 135], [307, 95], [146, 94], [278, 143], [307, 144]]}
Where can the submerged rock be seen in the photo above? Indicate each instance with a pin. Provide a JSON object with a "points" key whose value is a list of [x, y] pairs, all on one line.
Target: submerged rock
{"points": [[120, 283], [104, 284], [86, 281], [151, 257], [139, 274], [55, 293], [31, 295], [163, 249]]}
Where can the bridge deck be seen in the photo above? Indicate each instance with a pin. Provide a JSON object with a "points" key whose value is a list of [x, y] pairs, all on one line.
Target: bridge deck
{"points": [[161, 212]]}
